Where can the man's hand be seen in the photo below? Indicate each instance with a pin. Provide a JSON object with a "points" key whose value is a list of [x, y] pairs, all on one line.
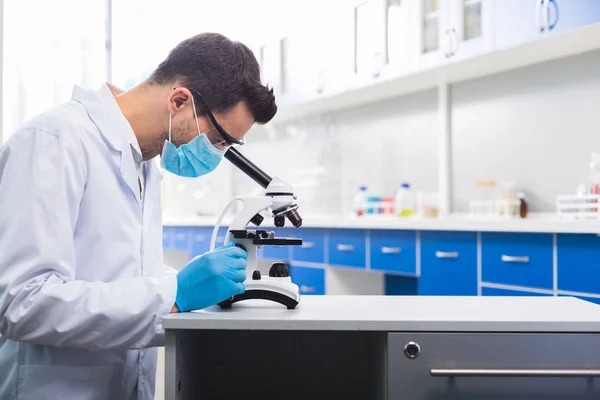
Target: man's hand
{"points": [[211, 278]]}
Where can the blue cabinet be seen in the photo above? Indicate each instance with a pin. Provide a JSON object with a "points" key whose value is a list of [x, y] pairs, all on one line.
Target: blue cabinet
{"points": [[518, 259], [182, 238], [312, 248], [200, 241], [486, 291], [393, 251], [579, 263], [347, 247], [448, 264], [168, 237], [311, 281]]}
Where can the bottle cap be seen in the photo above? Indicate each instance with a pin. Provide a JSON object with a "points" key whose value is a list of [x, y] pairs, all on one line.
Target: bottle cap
{"points": [[362, 187], [406, 185]]}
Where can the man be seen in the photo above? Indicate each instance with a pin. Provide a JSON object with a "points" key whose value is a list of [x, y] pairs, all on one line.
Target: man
{"points": [[83, 290]]}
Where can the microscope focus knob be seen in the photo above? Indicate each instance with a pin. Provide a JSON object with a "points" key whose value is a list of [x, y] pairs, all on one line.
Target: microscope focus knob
{"points": [[279, 270]]}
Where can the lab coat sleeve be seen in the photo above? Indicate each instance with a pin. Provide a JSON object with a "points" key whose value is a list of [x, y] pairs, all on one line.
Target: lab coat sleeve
{"points": [[40, 301]]}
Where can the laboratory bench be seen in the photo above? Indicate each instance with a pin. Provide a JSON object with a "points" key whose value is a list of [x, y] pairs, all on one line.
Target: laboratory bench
{"points": [[387, 347], [452, 256]]}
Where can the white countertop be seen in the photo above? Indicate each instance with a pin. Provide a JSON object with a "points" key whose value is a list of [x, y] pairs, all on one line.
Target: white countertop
{"points": [[401, 313], [548, 223]]}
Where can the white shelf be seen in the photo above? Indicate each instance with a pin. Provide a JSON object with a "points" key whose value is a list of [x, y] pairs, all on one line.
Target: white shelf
{"points": [[551, 48], [542, 223]]}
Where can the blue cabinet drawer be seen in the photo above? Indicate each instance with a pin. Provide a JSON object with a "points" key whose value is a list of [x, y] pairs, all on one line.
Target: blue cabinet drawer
{"points": [[579, 263], [486, 291], [517, 259], [393, 251], [448, 264], [200, 241], [313, 246], [281, 253], [309, 280], [182, 238], [167, 237], [347, 247]]}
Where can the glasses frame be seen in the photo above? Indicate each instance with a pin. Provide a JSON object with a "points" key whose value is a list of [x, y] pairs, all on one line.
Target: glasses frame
{"points": [[230, 140]]}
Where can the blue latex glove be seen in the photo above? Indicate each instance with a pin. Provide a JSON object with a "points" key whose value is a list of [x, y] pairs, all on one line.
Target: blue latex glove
{"points": [[211, 278]]}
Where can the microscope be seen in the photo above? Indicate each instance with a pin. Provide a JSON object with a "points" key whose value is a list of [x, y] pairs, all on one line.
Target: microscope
{"points": [[279, 199]]}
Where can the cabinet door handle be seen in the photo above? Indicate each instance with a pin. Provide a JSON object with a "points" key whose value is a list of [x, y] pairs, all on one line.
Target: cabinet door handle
{"points": [[446, 254], [549, 26], [516, 373], [538, 9], [307, 289], [308, 245], [391, 250], [448, 43], [200, 238], [455, 42], [345, 247], [180, 236], [513, 259]]}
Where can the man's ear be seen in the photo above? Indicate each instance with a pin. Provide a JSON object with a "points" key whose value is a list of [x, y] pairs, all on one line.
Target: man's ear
{"points": [[178, 99]]}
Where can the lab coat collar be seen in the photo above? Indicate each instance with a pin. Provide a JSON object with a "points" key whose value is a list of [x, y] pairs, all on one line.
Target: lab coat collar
{"points": [[105, 113]]}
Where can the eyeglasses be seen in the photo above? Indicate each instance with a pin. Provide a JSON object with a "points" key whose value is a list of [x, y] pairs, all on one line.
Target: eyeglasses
{"points": [[227, 138]]}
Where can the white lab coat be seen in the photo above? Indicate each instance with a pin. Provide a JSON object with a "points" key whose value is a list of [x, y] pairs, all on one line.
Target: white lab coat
{"points": [[83, 289]]}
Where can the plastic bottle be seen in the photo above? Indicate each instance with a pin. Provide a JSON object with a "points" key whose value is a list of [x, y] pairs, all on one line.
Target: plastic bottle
{"points": [[405, 202], [360, 201]]}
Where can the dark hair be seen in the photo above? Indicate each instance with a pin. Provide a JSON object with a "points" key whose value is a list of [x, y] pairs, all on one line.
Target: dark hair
{"points": [[222, 70]]}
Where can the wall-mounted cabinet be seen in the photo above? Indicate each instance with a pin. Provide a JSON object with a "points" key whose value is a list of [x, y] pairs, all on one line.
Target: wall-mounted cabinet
{"points": [[515, 22], [347, 53]]}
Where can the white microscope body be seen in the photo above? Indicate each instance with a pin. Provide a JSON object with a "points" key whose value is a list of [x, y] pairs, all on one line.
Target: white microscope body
{"points": [[280, 200]]}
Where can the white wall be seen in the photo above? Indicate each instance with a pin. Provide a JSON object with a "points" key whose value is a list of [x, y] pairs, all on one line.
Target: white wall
{"points": [[328, 157], [536, 126]]}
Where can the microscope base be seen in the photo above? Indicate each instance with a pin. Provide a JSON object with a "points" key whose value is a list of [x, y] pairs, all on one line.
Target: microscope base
{"points": [[279, 290]]}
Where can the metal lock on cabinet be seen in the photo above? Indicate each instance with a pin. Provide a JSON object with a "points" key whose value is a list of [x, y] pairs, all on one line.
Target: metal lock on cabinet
{"points": [[412, 350]]}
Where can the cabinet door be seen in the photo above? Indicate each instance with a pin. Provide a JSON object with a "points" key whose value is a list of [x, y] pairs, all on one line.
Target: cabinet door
{"points": [[517, 259], [448, 264], [470, 28], [369, 40], [398, 37], [393, 251], [579, 263], [492, 366], [565, 15], [516, 22], [168, 233], [432, 33], [347, 247], [312, 248], [311, 281]]}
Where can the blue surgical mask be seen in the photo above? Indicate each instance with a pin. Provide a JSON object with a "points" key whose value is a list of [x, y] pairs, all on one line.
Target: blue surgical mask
{"points": [[193, 159]]}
